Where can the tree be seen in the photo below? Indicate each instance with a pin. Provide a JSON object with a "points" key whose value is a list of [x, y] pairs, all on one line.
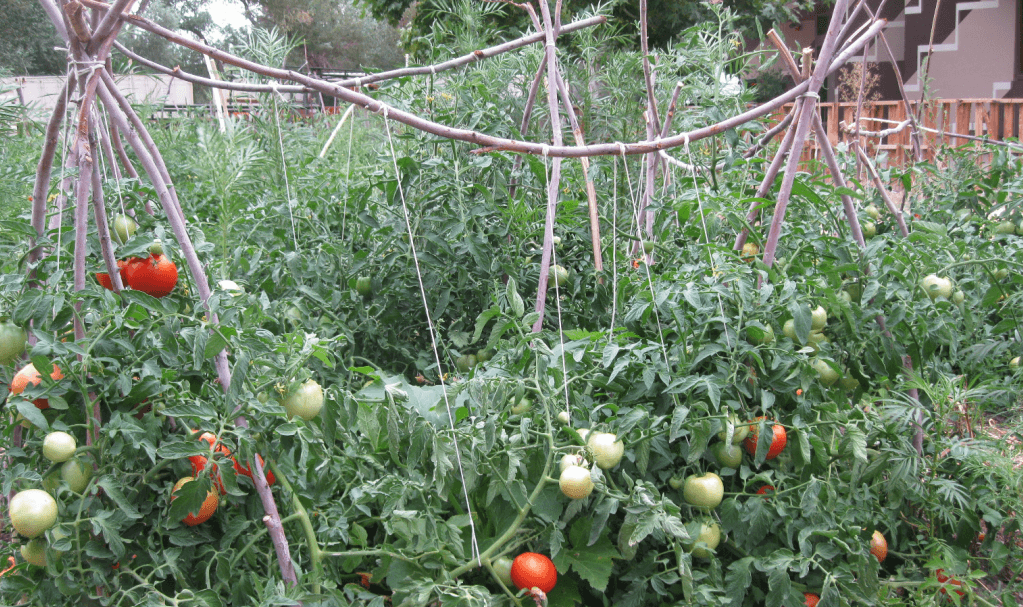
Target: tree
{"points": [[25, 47], [668, 17], [335, 35]]}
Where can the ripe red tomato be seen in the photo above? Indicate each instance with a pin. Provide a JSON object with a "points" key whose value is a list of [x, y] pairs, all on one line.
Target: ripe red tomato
{"points": [[104, 279], [811, 599], [879, 546], [530, 569], [157, 275], [199, 462], [949, 581], [28, 375], [777, 443], [209, 505], [763, 490]]}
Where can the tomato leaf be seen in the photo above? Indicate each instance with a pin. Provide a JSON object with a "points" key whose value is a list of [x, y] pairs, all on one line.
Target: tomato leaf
{"points": [[112, 489], [738, 579], [592, 562]]}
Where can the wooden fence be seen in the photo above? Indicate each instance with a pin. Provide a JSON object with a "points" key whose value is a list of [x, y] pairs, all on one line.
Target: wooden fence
{"points": [[997, 119]]}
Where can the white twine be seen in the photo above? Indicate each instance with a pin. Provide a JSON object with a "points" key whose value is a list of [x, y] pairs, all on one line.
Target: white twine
{"points": [[706, 233], [433, 340], [557, 289], [284, 165]]}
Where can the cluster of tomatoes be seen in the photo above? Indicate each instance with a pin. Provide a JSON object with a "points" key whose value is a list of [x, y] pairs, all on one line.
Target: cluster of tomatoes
{"points": [[156, 275]]}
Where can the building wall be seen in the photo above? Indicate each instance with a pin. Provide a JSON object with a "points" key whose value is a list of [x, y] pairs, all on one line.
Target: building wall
{"points": [[978, 60], [40, 92]]}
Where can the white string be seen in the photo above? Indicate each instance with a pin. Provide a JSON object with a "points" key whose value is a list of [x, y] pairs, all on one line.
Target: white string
{"points": [[63, 168], [284, 165], [637, 217], [557, 289], [348, 172], [706, 233], [433, 338]]}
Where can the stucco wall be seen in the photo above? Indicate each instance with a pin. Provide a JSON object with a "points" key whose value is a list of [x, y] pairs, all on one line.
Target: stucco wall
{"points": [[40, 92], [979, 59]]}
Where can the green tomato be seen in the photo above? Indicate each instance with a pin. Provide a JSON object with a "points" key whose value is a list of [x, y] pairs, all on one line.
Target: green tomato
{"points": [[32, 512], [465, 363], [575, 482], [76, 474], [502, 567], [869, 229], [676, 482], [727, 455], [34, 552], [559, 276], [709, 536], [739, 431], [1014, 363], [958, 298], [58, 447], [872, 211], [825, 373], [564, 418], [12, 342], [703, 492], [122, 229], [789, 329], [1001, 273], [522, 407], [606, 448], [305, 401], [1005, 227], [818, 319], [936, 286], [648, 246], [761, 336], [364, 286]]}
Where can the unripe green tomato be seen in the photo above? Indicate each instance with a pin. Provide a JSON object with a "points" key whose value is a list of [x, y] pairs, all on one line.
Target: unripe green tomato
{"points": [[122, 229], [872, 211], [364, 286], [958, 298], [564, 418], [827, 375], [559, 276], [1005, 227], [521, 407], [76, 474], [710, 536], [58, 447], [727, 455], [502, 567], [575, 482], [12, 342], [1014, 363], [648, 246], [848, 382], [676, 482], [818, 319], [606, 448], [32, 512], [739, 431], [1001, 273], [305, 401], [34, 552], [789, 329], [869, 229]]}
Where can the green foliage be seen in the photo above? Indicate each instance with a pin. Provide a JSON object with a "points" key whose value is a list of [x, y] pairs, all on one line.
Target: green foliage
{"points": [[414, 465]]}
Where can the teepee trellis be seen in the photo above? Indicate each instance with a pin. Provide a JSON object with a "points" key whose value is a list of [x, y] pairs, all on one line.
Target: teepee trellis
{"points": [[94, 89]]}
